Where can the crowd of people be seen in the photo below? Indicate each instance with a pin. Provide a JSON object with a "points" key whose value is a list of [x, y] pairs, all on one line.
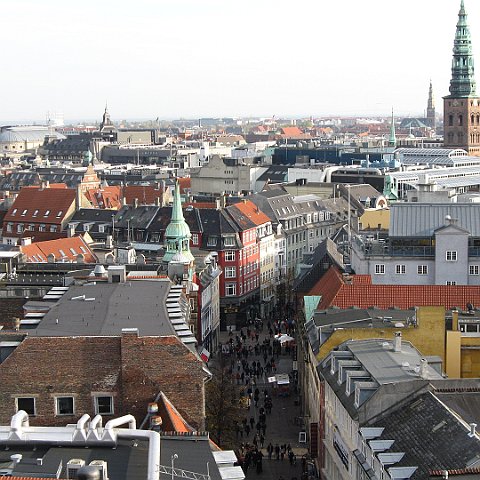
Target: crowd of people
{"points": [[253, 358]]}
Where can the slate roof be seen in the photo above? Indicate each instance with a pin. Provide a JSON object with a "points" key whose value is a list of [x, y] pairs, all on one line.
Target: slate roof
{"points": [[216, 223], [360, 292], [164, 214], [274, 174], [139, 304], [17, 180], [431, 436], [136, 217]]}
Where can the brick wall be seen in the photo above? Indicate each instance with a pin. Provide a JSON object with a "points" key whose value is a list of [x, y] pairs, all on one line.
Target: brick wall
{"points": [[133, 369]]}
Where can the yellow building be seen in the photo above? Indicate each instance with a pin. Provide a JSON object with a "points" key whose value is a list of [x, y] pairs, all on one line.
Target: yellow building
{"points": [[463, 346], [375, 219]]}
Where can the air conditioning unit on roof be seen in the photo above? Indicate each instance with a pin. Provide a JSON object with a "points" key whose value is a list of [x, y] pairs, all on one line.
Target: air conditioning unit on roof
{"points": [[73, 466], [102, 467]]}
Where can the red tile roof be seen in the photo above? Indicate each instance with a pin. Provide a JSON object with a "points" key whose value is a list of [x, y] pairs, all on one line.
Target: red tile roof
{"points": [[41, 205], [105, 197], [252, 212], [172, 421], [291, 131], [65, 249], [346, 292], [185, 185], [145, 194]]}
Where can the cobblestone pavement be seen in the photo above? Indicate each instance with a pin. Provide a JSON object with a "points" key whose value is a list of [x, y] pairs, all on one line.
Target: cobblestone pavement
{"points": [[283, 424]]}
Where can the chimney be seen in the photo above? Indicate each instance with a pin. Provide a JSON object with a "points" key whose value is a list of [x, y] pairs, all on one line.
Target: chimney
{"points": [[135, 202], [109, 241], [423, 368], [78, 197], [397, 342], [45, 184], [455, 320], [445, 474], [158, 202], [16, 324], [218, 204], [472, 432], [71, 230], [26, 241]]}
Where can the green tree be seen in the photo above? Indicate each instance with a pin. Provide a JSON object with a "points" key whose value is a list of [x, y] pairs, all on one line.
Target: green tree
{"points": [[223, 407]]}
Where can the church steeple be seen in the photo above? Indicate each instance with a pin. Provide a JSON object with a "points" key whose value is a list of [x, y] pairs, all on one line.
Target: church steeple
{"points": [[462, 83], [392, 139], [431, 106], [177, 233]]}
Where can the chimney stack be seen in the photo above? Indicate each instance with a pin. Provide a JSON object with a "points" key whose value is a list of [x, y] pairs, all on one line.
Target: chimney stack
{"points": [[473, 432], [423, 368], [397, 342], [135, 202]]}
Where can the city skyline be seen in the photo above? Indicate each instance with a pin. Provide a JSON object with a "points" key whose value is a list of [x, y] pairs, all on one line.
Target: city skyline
{"points": [[209, 59]]}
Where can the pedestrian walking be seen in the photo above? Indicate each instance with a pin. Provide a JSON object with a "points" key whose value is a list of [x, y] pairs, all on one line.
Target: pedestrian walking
{"points": [[270, 450], [277, 451]]}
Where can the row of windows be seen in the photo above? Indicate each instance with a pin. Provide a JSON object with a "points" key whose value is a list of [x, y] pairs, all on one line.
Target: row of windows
{"points": [[31, 227], [421, 269], [231, 288], [65, 405], [35, 213]]}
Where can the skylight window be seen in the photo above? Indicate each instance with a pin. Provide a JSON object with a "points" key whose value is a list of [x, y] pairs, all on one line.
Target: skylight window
{"points": [[24, 212], [47, 213], [59, 214], [35, 213]]}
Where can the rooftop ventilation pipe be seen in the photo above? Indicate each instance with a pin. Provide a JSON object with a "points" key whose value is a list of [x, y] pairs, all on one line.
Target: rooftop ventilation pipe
{"points": [[397, 342]]}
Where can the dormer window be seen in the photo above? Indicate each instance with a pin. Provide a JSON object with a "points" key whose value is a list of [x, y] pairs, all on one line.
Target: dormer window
{"points": [[47, 213], [229, 241]]}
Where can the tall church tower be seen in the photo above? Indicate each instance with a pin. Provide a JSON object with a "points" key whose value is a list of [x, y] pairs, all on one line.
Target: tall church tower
{"points": [[462, 107], [177, 241], [431, 107]]}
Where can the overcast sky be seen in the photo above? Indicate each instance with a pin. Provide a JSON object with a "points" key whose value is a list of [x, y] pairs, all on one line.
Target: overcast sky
{"points": [[191, 58]]}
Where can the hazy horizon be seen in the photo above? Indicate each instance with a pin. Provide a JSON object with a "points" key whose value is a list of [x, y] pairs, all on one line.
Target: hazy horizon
{"points": [[190, 59]]}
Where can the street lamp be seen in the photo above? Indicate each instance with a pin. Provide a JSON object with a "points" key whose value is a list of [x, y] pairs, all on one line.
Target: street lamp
{"points": [[173, 457]]}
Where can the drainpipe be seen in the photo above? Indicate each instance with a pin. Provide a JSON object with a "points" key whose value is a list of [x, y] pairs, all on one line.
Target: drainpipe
{"points": [[153, 447], [19, 420]]}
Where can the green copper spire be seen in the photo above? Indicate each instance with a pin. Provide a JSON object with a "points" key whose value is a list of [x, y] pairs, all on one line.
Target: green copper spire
{"points": [[392, 139], [177, 233], [462, 83]]}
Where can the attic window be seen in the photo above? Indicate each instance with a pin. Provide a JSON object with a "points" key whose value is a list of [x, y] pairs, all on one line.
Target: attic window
{"points": [[35, 213], [212, 241], [83, 249], [47, 213], [73, 251], [14, 211], [62, 253], [59, 214], [24, 212], [229, 241]]}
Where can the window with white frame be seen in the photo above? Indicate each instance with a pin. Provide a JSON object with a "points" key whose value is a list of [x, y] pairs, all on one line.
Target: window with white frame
{"points": [[379, 269], [103, 405], [64, 406], [9, 227], [473, 270], [20, 228], [27, 404], [229, 241], [212, 241], [422, 269], [53, 228], [230, 256], [451, 282], [230, 272], [451, 255], [230, 289], [400, 269], [195, 238], [42, 227]]}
